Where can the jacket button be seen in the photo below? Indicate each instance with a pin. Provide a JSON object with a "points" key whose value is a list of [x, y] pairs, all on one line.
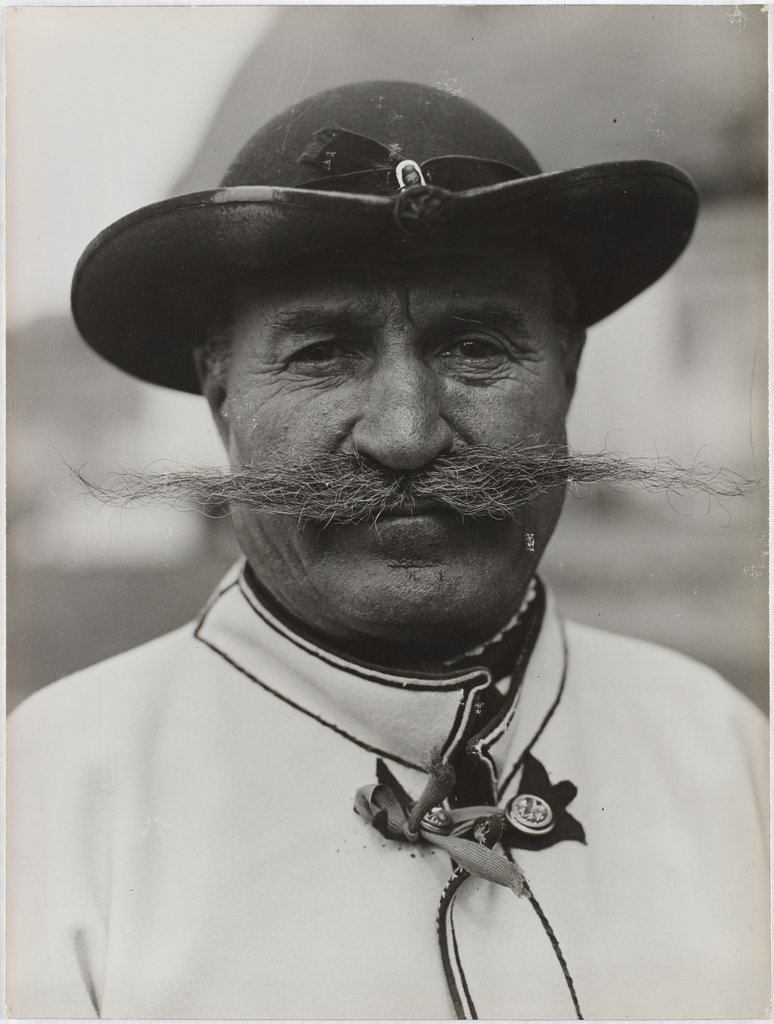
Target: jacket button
{"points": [[530, 814]]}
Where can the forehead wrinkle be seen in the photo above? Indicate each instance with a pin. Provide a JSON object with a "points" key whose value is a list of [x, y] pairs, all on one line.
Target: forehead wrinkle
{"points": [[312, 319], [493, 315], [402, 293], [363, 299], [483, 300], [340, 311]]}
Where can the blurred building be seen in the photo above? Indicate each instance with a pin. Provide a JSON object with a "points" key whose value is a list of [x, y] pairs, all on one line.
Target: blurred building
{"points": [[682, 370]]}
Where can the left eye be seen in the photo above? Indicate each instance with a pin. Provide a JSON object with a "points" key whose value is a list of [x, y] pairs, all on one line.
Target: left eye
{"points": [[474, 348]]}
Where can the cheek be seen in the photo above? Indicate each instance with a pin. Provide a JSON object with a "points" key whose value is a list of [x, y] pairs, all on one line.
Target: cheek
{"points": [[265, 421], [528, 404]]}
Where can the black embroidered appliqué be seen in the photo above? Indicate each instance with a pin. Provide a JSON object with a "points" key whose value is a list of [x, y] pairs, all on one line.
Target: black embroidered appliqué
{"points": [[535, 780]]}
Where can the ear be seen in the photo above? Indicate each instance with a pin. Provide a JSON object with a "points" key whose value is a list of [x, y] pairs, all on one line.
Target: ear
{"points": [[214, 390]]}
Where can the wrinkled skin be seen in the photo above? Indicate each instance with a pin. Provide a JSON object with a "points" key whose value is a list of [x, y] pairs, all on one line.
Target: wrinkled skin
{"points": [[399, 363]]}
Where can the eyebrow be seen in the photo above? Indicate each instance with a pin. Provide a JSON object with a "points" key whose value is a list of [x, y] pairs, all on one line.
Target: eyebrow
{"points": [[312, 320]]}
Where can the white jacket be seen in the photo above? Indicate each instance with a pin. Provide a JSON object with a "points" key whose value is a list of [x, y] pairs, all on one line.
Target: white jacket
{"points": [[183, 842]]}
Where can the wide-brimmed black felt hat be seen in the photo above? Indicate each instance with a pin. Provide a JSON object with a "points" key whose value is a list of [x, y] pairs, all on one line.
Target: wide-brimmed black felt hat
{"points": [[374, 166]]}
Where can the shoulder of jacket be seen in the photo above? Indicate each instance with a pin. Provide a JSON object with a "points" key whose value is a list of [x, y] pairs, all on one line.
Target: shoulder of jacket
{"points": [[643, 671], [80, 693]]}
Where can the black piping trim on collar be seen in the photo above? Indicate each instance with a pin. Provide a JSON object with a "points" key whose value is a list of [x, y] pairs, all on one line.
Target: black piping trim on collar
{"points": [[435, 682], [549, 715], [214, 600], [467, 685], [462, 717], [211, 604], [483, 751], [298, 707], [481, 744]]}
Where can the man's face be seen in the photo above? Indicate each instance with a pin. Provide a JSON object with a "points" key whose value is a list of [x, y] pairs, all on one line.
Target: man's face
{"points": [[399, 364]]}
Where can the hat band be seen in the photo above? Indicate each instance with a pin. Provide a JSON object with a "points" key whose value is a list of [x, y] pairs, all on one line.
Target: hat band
{"points": [[452, 173]]}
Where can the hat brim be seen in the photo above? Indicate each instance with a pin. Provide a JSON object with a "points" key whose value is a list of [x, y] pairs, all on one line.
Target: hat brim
{"points": [[146, 288]]}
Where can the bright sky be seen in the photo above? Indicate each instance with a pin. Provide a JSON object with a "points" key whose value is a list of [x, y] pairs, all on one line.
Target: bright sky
{"points": [[75, 73]]}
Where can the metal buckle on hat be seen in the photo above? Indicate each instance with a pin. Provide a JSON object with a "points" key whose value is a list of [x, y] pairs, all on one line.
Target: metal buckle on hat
{"points": [[408, 173]]}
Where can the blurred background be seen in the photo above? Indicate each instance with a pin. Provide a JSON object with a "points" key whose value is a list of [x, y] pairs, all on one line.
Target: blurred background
{"points": [[112, 108]]}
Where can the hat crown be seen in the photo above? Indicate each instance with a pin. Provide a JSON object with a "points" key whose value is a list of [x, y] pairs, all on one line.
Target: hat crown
{"points": [[419, 122], [147, 286]]}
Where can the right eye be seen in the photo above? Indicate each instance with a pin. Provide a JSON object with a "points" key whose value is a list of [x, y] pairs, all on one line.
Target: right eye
{"points": [[321, 352], [330, 359]]}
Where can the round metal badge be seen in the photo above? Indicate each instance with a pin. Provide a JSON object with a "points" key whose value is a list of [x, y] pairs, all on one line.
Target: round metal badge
{"points": [[530, 814]]}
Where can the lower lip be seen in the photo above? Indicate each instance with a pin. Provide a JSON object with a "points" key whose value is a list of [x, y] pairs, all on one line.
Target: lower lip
{"points": [[430, 526]]}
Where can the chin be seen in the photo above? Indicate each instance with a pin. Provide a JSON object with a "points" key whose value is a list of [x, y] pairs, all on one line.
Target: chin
{"points": [[426, 581], [432, 597]]}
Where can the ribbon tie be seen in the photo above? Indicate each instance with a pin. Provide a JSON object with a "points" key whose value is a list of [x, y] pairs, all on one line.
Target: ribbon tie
{"points": [[388, 809]]}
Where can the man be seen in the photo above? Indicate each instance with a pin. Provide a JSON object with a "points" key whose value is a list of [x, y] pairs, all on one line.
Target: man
{"points": [[385, 305]]}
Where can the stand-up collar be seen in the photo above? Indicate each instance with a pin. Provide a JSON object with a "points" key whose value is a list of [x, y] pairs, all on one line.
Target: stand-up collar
{"points": [[406, 717]]}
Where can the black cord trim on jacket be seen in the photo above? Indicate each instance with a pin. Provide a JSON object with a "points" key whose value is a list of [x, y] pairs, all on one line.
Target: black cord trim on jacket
{"points": [[409, 681], [303, 710], [445, 928], [532, 627], [556, 947], [549, 715]]}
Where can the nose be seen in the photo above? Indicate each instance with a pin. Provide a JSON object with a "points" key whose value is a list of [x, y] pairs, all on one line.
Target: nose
{"points": [[402, 425]]}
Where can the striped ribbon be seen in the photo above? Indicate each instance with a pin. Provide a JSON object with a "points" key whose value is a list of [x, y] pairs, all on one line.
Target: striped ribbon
{"points": [[383, 808]]}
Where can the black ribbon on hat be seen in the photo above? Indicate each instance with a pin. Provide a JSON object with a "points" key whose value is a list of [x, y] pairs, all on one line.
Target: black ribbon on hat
{"points": [[354, 163]]}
